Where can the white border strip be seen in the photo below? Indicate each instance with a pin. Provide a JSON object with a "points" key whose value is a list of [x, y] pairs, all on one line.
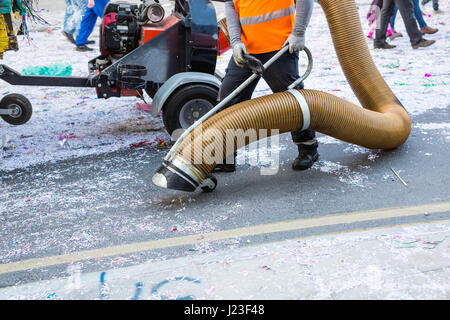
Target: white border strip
{"points": [[304, 106]]}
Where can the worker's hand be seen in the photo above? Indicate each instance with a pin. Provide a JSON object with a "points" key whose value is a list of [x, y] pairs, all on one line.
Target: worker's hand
{"points": [[239, 50], [91, 3], [295, 42]]}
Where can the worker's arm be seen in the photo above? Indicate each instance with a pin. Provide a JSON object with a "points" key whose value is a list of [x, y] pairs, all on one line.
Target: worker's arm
{"points": [[296, 40], [234, 30]]}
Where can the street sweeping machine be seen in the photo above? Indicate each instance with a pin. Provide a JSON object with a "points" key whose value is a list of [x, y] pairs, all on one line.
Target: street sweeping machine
{"points": [[172, 59]]}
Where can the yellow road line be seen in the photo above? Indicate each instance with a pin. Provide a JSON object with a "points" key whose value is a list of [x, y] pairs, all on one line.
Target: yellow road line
{"points": [[283, 226]]}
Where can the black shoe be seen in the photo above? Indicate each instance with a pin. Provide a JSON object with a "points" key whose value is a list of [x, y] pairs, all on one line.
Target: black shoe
{"points": [[90, 42], [384, 45], [305, 159], [69, 37], [424, 2], [83, 48], [423, 43], [225, 167]]}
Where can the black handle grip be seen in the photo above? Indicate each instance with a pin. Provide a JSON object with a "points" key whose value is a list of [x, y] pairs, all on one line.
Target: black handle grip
{"points": [[254, 64]]}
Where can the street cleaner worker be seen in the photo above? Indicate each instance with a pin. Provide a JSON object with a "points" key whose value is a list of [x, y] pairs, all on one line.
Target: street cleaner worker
{"points": [[262, 28]]}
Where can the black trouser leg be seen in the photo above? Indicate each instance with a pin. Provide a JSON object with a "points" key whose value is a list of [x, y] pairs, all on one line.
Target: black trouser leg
{"points": [[234, 77], [406, 8], [436, 5], [385, 16]]}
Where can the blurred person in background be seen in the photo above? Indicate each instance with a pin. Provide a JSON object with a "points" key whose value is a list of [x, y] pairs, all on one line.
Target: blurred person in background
{"points": [[373, 17], [406, 8], [435, 4], [424, 28], [95, 9], [75, 10]]}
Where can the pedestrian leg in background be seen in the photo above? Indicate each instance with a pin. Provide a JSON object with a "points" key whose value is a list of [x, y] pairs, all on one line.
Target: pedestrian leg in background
{"points": [[391, 32], [424, 28], [86, 28], [406, 8], [385, 16], [75, 10], [435, 4], [373, 18], [80, 10], [394, 16], [88, 24], [68, 27]]}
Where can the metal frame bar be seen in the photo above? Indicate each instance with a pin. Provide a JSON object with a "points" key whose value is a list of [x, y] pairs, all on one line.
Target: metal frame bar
{"points": [[16, 78], [6, 112]]}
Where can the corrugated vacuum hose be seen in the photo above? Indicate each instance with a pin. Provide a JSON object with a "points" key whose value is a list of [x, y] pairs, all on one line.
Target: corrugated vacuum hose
{"points": [[382, 123]]}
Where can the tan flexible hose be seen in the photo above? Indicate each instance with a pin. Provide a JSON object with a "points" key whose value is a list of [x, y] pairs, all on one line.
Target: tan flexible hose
{"points": [[382, 124]]}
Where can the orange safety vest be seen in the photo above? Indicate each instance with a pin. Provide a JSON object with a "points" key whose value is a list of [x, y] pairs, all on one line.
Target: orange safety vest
{"points": [[265, 24]]}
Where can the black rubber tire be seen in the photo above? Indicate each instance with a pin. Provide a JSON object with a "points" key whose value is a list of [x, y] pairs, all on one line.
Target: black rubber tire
{"points": [[172, 108], [22, 102], [208, 189]]}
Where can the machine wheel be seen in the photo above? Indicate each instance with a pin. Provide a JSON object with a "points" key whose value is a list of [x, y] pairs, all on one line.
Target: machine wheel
{"points": [[188, 104], [211, 185], [21, 106]]}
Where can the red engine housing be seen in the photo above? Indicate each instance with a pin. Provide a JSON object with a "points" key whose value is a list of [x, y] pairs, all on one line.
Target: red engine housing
{"points": [[146, 33], [149, 31]]}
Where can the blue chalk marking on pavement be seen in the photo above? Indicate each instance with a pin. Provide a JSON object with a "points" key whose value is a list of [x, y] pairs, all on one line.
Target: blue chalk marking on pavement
{"points": [[103, 294], [138, 291], [159, 285]]}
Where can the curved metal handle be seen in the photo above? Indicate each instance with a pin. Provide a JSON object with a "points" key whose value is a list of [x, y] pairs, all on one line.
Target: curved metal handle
{"points": [[307, 72]]}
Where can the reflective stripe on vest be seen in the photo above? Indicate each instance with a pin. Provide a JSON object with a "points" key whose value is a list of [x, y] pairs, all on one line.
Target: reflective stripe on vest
{"points": [[265, 24], [268, 16]]}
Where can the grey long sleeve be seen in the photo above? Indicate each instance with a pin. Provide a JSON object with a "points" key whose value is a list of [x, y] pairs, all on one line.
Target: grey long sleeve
{"points": [[303, 15], [233, 24]]}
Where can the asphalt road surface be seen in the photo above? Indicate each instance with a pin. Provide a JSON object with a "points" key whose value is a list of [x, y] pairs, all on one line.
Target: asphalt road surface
{"points": [[109, 200]]}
